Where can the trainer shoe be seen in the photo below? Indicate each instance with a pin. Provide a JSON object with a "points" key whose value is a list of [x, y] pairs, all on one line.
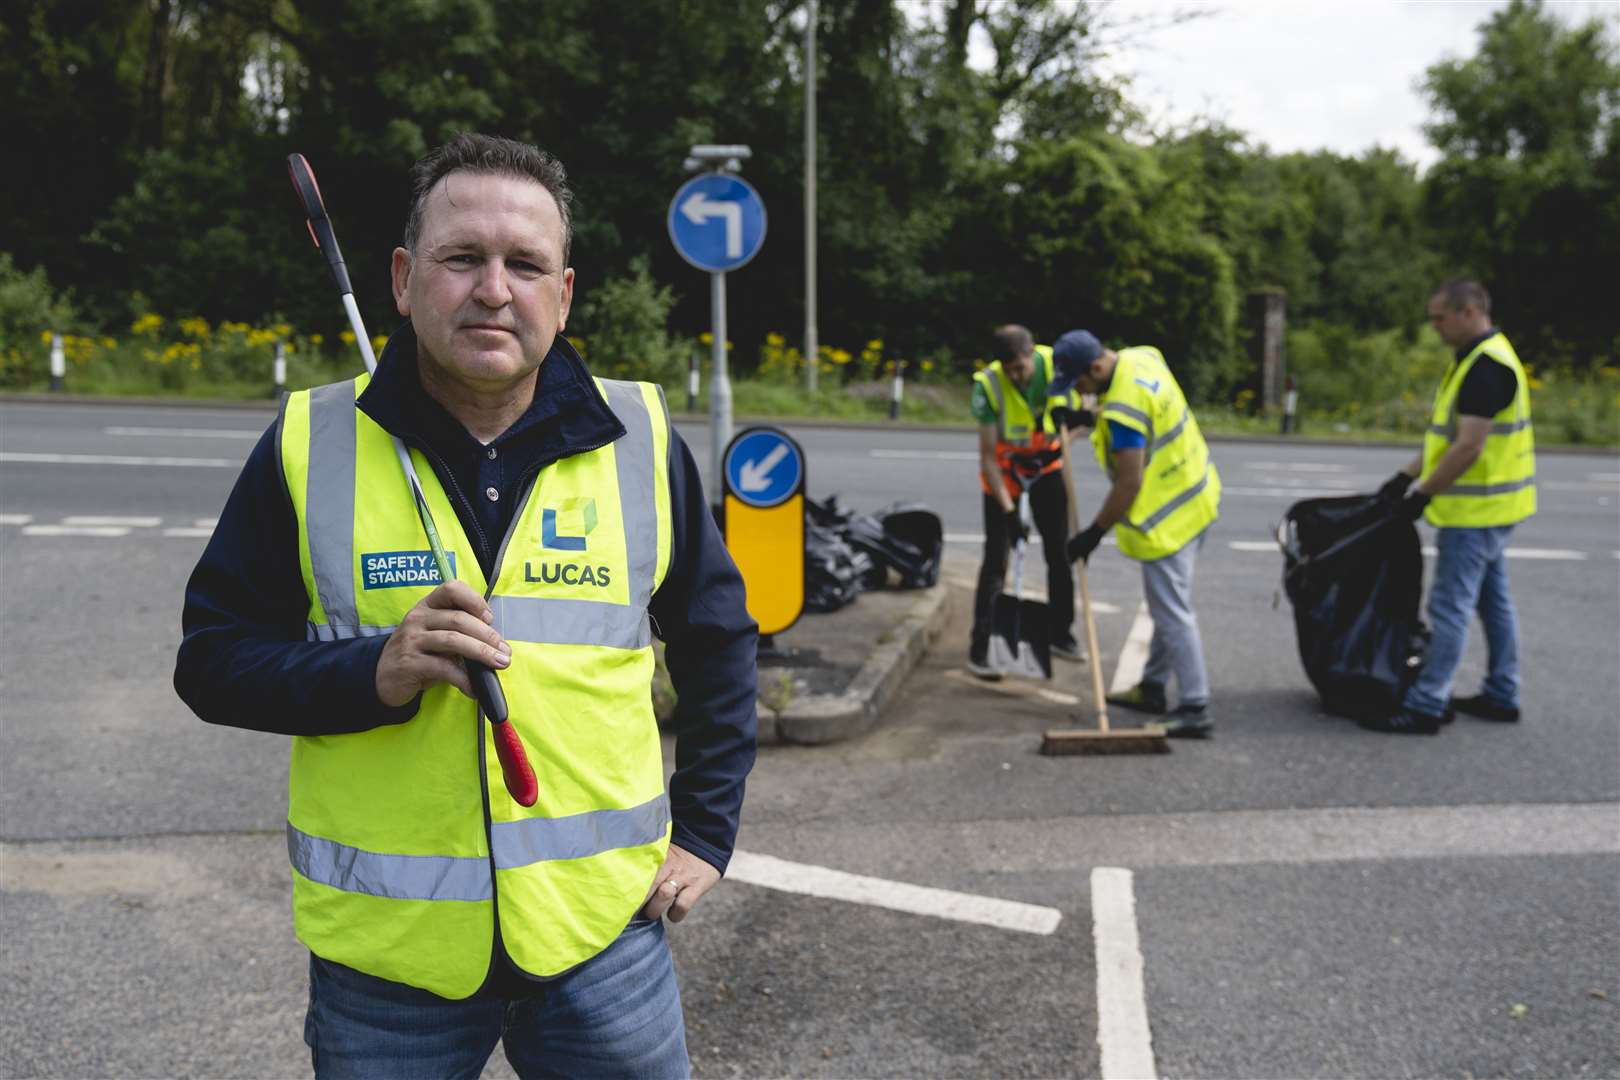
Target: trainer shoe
{"points": [[1144, 697], [1067, 647], [1190, 722], [1403, 722], [979, 666], [1485, 709]]}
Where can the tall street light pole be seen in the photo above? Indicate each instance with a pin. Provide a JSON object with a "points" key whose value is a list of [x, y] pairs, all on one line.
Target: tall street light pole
{"points": [[812, 347]]}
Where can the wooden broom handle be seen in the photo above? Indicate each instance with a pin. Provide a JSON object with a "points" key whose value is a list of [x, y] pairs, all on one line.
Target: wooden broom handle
{"points": [[1085, 593]]}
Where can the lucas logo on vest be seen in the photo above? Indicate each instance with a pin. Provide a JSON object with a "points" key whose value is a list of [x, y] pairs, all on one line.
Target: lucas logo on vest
{"points": [[565, 527]]}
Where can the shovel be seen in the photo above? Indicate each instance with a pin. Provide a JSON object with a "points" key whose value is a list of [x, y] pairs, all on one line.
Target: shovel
{"points": [[1020, 638]]}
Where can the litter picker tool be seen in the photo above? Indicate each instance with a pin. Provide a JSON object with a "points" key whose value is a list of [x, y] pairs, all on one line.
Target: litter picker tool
{"points": [[1059, 741], [1020, 640], [515, 769]]}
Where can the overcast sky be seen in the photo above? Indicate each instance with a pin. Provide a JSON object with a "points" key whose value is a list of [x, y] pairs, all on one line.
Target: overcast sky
{"points": [[1309, 74]]}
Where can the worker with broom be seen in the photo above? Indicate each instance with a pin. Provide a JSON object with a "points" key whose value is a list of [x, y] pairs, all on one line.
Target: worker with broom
{"points": [[1164, 495], [1019, 415]]}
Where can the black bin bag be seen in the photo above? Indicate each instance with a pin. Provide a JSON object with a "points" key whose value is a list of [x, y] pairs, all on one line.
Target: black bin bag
{"points": [[1354, 575]]}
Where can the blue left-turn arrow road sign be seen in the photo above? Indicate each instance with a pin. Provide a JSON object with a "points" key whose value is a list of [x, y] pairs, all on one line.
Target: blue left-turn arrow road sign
{"points": [[717, 222], [764, 467]]}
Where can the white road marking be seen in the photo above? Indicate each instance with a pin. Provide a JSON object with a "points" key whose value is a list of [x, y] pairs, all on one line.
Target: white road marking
{"points": [[927, 455], [183, 531], [184, 433], [205, 523], [1283, 493], [1133, 656], [1034, 540], [1544, 554], [130, 522], [120, 459], [75, 530], [1296, 466], [1123, 1033], [1015, 687], [769, 872], [1607, 478], [16, 519]]}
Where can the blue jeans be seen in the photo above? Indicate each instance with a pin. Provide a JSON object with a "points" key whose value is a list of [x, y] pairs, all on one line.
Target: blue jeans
{"points": [[1470, 574], [618, 1014]]}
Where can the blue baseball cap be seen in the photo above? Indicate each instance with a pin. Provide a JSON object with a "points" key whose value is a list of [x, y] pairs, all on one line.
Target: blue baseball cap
{"points": [[1071, 358]]}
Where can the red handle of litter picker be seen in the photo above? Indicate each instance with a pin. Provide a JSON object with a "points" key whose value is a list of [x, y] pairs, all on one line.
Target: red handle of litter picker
{"points": [[515, 770]]}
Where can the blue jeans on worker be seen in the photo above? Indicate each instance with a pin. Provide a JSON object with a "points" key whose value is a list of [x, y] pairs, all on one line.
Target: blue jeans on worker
{"points": [[1177, 648], [618, 1014], [1470, 575]]}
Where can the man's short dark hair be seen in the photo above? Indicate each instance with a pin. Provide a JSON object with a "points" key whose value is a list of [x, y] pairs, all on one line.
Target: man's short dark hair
{"points": [[1013, 341], [1458, 293], [490, 155]]}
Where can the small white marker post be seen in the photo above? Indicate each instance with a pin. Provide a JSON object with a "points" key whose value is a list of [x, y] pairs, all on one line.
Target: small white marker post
{"points": [[1290, 401], [279, 372], [897, 390], [694, 378], [58, 364]]}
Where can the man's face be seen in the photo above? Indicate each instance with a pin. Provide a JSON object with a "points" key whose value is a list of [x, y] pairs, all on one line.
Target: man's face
{"points": [[486, 290], [1455, 325], [1020, 370]]}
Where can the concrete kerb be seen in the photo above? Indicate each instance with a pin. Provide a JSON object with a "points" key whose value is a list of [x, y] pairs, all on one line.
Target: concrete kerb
{"points": [[825, 718]]}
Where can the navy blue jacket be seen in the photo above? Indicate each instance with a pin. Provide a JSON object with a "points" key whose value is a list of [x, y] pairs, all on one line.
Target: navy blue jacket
{"points": [[244, 661]]}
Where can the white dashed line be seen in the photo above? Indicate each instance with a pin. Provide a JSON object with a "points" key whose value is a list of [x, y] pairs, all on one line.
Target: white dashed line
{"points": [[1543, 554], [120, 459], [927, 455], [1252, 545], [188, 532], [76, 530], [769, 872], [1295, 466], [16, 519], [1133, 656], [184, 433], [128, 522], [1123, 1033]]}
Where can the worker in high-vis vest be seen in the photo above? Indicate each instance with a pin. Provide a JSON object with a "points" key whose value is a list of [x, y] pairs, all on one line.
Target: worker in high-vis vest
{"points": [[442, 916], [1020, 421], [1474, 481], [1163, 496]]}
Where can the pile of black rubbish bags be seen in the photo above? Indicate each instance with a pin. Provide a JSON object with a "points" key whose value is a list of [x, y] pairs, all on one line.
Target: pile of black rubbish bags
{"points": [[847, 553]]}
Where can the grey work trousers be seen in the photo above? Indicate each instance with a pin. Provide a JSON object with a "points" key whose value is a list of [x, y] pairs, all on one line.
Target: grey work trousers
{"points": [[1176, 648]]}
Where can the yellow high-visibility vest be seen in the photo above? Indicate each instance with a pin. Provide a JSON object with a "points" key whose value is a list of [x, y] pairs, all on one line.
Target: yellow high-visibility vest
{"points": [[405, 845], [1181, 491], [1500, 487], [1017, 434]]}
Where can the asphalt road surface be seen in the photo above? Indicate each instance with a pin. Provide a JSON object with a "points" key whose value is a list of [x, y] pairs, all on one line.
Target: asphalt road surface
{"points": [[1295, 897]]}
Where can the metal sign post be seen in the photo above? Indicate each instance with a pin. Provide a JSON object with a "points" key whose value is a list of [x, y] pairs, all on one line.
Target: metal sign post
{"points": [[717, 223], [764, 475]]}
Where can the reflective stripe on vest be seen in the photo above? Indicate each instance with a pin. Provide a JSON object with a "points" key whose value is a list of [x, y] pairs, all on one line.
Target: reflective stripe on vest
{"points": [[440, 877], [1499, 487]]}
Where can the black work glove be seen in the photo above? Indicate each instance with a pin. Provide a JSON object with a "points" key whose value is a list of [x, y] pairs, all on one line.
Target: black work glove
{"points": [[1063, 416], [1017, 531], [1411, 507], [1083, 543], [1394, 488]]}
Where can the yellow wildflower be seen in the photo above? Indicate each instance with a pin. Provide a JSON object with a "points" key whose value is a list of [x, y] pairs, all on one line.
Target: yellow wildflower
{"points": [[347, 337], [317, 340], [150, 323]]}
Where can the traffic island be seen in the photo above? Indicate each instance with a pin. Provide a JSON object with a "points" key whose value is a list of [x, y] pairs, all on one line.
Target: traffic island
{"points": [[832, 675]]}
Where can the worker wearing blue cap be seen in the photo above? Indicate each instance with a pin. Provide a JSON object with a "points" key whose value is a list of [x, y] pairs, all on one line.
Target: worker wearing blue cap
{"points": [[1165, 494]]}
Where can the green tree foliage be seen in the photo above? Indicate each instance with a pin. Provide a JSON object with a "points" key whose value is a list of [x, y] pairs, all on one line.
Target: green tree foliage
{"points": [[1527, 194], [953, 195]]}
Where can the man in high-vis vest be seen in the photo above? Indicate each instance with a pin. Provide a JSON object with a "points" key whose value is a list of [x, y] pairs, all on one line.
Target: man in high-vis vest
{"points": [[1164, 495], [1474, 481], [441, 915], [1020, 421]]}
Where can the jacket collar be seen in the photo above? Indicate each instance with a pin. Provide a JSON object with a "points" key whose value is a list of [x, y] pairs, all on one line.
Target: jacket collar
{"points": [[1463, 352], [567, 416]]}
